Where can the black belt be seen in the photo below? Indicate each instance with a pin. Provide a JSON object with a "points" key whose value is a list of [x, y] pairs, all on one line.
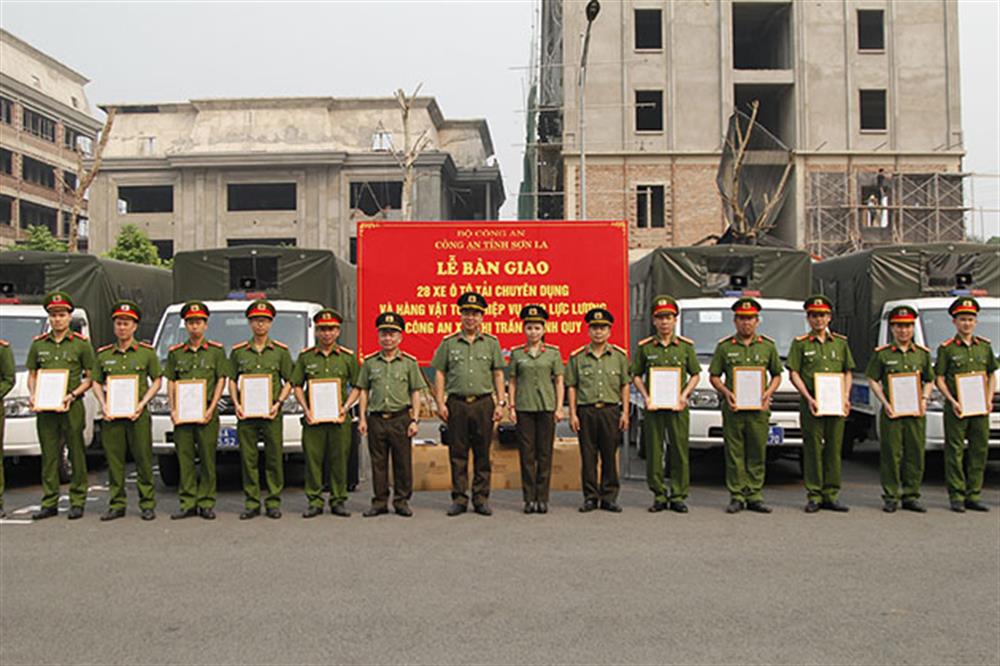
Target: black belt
{"points": [[602, 405], [472, 398], [395, 414]]}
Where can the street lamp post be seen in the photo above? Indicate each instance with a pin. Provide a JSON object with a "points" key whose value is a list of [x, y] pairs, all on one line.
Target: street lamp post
{"points": [[593, 9]]}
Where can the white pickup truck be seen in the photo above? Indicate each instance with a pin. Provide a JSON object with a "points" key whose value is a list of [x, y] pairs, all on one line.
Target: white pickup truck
{"points": [[293, 325]]}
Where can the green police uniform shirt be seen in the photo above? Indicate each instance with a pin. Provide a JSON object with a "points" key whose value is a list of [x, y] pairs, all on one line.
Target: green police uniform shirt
{"points": [[138, 358], [73, 353], [809, 355], [954, 357], [341, 363], [598, 378], [208, 362], [390, 382], [731, 353], [653, 353], [273, 359], [890, 359], [535, 374], [468, 366], [7, 375]]}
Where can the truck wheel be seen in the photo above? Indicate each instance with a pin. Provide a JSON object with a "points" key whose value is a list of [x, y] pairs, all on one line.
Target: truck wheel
{"points": [[170, 471]]}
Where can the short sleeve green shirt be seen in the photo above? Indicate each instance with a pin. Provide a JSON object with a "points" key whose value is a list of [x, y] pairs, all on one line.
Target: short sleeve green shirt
{"points": [[138, 358], [468, 366], [809, 355], [890, 359], [653, 352], [341, 363], [273, 359], [535, 374], [732, 353], [597, 378], [390, 382], [72, 353], [954, 357], [207, 362]]}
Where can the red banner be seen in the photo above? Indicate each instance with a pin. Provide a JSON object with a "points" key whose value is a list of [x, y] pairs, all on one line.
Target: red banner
{"points": [[418, 269]]}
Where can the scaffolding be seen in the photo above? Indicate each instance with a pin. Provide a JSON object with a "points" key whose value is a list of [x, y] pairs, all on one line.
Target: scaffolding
{"points": [[848, 212]]}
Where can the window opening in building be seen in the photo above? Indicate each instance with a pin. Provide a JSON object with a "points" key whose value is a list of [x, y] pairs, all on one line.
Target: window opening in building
{"points": [[649, 110], [649, 206], [260, 196], [146, 199], [648, 29]]}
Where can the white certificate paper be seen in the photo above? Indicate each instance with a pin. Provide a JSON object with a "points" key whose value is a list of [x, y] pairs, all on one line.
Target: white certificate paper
{"points": [[664, 388], [324, 400], [971, 389], [122, 395], [191, 400], [51, 386], [904, 393], [748, 384], [255, 396], [829, 393]]}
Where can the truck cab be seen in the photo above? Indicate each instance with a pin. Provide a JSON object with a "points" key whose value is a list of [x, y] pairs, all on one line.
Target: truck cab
{"points": [[293, 326]]}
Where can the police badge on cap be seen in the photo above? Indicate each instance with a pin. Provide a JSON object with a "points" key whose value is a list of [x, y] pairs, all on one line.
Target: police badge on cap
{"points": [[470, 300], [389, 321], [598, 317], [534, 314]]}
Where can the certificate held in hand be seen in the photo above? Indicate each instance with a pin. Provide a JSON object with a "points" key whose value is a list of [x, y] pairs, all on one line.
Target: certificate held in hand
{"points": [[971, 389], [122, 395], [324, 400], [191, 399], [255, 396], [665, 388], [904, 393], [748, 385], [829, 393], [51, 386]]}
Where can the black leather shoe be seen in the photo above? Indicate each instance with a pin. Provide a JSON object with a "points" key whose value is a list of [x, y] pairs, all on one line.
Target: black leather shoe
{"points": [[312, 511], [678, 507], [483, 509], [735, 506], [588, 506], [758, 507], [374, 511], [273, 513], [976, 505], [181, 514], [456, 509], [613, 507], [76, 513], [958, 506], [42, 514], [208, 513], [147, 514], [340, 510], [404, 511], [529, 507], [812, 507], [889, 506], [914, 505], [111, 514], [249, 513], [541, 507], [835, 505], [657, 507]]}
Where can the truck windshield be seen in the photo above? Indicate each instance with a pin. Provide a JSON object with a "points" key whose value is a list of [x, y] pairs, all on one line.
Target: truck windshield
{"points": [[938, 326], [19, 331], [230, 328], [706, 326]]}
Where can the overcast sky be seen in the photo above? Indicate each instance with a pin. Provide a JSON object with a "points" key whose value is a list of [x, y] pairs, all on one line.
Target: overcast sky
{"points": [[466, 54]]}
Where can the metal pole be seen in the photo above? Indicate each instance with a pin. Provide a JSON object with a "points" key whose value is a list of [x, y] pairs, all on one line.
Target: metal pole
{"points": [[582, 83]]}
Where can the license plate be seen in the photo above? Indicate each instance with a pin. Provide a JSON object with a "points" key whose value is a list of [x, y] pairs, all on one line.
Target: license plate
{"points": [[227, 438], [776, 436]]}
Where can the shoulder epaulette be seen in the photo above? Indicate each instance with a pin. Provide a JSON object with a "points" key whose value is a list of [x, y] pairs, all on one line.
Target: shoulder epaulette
{"points": [[804, 336], [489, 335], [517, 347], [645, 340], [766, 337], [947, 342], [177, 346], [280, 344], [724, 339], [621, 349], [411, 356], [687, 340], [577, 350], [39, 337], [345, 349], [104, 348], [305, 349], [986, 340], [552, 347], [878, 349], [922, 347], [838, 335], [241, 345], [215, 343], [146, 345], [74, 334], [372, 355], [452, 335]]}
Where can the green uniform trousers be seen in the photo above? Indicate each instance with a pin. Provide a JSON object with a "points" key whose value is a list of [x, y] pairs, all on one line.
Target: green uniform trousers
{"points": [[269, 431], [136, 436], [195, 441], [389, 438], [535, 433], [963, 472], [53, 429], [745, 437], [901, 459], [822, 440], [326, 446], [657, 425], [470, 428], [599, 438]]}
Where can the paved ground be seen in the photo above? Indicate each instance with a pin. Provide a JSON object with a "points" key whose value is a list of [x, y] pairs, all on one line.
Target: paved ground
{"points": [[865, 587]]}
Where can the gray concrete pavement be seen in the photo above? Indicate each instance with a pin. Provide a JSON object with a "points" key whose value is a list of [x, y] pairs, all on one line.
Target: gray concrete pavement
{"points": [[707, 587]]}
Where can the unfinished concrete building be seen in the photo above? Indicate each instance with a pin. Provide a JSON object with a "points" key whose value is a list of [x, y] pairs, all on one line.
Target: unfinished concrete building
{"points": [[45, 123], [864, 92], [289, 171]]}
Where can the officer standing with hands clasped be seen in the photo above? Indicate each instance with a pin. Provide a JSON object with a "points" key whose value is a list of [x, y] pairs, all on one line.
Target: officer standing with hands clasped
{"points": [[666, 350], [329, 442], [820, 350], [469, 368], [132, 433], [61, 349], [597, 377], [390, 383], [901, 438], [745, 431], [7, 378], [196, 359], [261, 355], [962, 354]]}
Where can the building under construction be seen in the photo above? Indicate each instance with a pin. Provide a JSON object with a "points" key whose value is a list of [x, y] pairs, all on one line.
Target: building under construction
{"points": [[864, 95]]}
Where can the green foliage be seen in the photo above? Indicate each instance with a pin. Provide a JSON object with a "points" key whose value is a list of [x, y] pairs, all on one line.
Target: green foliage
{"points": [[40, 239], [134, 246]]}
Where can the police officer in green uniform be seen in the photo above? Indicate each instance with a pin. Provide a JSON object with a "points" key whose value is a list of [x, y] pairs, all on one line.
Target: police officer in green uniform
{"points": [[667, 350], [326, 445], [7, 378], [133, 433], [901, 438], [62, 349], [965, 353], [261, 355], [536, 394], [468, 368], [597, 377], [197, 359], [820, 350], [390, 383], [745, 431]]}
